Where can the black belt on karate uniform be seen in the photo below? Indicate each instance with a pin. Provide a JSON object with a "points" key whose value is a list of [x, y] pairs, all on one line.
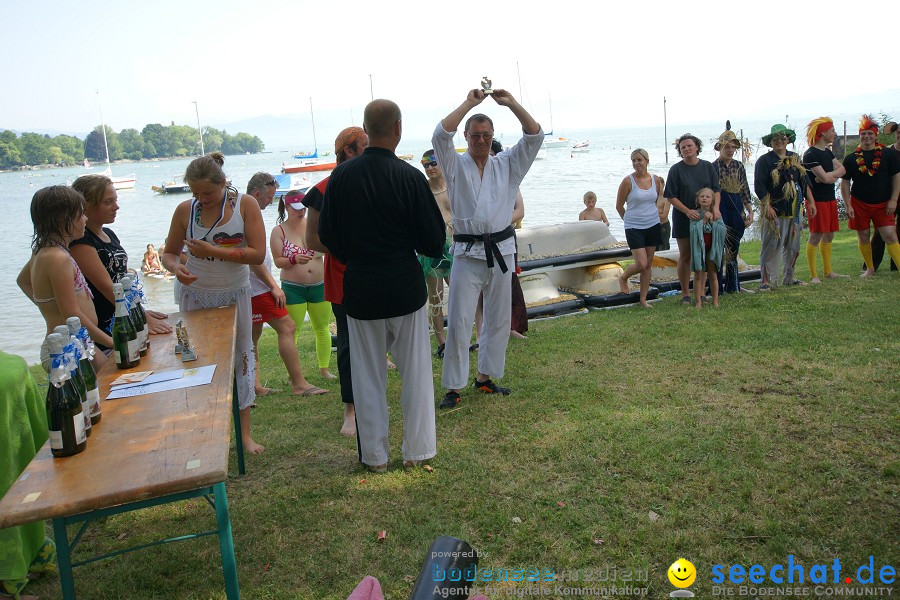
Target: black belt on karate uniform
{"points": [[491, 249]]}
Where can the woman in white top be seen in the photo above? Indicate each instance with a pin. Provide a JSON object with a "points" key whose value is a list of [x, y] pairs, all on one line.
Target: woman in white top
{"points": [[641, 191], [223, 233]]}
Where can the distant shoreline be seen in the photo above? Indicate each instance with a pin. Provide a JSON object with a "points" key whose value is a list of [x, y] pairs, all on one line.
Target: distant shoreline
{"points": [[115, 162]]}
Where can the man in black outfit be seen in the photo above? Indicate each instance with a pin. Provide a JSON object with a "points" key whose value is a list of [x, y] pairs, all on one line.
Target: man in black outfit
{"points": [[378, 212]]}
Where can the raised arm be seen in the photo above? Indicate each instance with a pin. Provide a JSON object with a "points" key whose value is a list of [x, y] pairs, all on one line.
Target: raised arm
{"points": [[451, 122], [504, 98]]}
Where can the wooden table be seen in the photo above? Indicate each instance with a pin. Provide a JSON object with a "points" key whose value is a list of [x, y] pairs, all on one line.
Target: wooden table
{"points": [[148, 450]]}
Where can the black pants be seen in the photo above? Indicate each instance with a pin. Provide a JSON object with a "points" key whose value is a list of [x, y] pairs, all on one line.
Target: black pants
{"points": [[343, 352]]}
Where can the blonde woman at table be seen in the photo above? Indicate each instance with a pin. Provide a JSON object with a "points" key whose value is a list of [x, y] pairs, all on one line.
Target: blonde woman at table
{"points": [[302, 275], [223, 232]]}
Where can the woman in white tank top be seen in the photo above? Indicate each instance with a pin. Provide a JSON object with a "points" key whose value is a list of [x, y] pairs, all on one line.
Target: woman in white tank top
{"points": [[223, 233], [640, 191]]}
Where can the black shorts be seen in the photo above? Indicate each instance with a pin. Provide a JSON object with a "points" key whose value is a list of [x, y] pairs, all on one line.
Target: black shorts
{"points": [[643, 238]]}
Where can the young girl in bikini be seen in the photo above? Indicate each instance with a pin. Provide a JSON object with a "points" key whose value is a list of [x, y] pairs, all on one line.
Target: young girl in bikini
{"points": [[302, 275], [51, 278]]}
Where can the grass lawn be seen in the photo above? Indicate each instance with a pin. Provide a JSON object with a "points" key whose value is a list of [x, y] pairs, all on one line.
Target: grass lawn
{"points": [[765, 428]]}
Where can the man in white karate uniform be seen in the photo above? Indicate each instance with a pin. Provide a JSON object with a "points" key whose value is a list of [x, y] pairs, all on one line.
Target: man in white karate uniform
{"points": [[482, 194]]}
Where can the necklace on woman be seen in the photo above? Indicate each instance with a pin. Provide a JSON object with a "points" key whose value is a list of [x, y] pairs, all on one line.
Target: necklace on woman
{"points": [[876, 162]]}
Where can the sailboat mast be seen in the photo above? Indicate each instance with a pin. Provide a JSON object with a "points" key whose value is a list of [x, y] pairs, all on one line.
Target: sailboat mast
{"points": [[519, 75], [103, 128], [313, 117], [550, 102]]}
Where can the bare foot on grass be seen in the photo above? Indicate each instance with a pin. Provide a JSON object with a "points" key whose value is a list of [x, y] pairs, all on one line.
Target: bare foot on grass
{"points": [[836, 276], [868, 273], [266, 391], [326, 374], [252, 447], [815, 280], [517, 335], [349, 426]]}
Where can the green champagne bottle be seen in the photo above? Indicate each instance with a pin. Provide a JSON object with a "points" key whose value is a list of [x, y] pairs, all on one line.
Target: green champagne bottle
{"points": [[136, 312], [82, 344], [65, 416], [125, 342], [77, 379]]}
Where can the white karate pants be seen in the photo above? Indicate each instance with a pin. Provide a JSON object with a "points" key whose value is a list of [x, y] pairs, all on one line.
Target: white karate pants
{"points": [[407, 339], [468, 277]]}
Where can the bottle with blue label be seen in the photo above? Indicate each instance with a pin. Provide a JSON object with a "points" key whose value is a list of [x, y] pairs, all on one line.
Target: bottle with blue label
{"points": [[65, 415]]}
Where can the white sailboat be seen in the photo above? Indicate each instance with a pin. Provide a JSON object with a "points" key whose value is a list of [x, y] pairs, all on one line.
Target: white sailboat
{"points": [[311, 162], [549, 140], [125, 182]]}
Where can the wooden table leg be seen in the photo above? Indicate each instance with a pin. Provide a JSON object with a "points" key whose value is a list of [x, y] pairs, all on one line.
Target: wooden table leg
{"points": [[226, 544], [64, 558], [238, 440]]}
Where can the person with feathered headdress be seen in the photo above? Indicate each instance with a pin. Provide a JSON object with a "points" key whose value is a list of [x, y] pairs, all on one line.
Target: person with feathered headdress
{"points": [[890, 128], [735, 205], [875, 177], [781, 184], [824, 170]]}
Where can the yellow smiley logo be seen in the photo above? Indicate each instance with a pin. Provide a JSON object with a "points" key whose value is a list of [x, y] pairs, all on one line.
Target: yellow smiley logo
{"points": [[682, 573]]}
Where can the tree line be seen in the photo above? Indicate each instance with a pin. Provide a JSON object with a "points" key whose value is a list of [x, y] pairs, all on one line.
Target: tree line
{"points": [[153, 141]]}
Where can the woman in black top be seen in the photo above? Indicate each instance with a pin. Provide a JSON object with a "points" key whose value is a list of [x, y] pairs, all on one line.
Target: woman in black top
{"points": [[99, 254]]}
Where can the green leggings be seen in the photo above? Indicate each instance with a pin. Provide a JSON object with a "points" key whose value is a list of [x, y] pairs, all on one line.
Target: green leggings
{"points": [[319, 315]]}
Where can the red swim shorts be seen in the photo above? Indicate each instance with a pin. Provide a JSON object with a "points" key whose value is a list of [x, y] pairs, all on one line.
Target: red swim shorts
{"points": [[864, 213], [265, 309], [826, 219]]}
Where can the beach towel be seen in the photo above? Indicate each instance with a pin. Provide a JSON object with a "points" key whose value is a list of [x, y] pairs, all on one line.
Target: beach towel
{"points": [[698, 247], [23, 430]]}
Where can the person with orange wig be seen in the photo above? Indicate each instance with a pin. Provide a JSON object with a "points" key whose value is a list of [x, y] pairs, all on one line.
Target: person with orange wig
{"points": [[875, 178], [823, 170]]}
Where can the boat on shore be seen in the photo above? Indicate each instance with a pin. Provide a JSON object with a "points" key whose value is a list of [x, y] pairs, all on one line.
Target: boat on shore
{"points": [[287, 182], [309, 163], [171, 187]]}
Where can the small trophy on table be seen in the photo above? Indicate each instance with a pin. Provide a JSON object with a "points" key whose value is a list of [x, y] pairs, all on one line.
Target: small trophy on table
{"points": [[486, 86], [187, 350], [178, 336]]}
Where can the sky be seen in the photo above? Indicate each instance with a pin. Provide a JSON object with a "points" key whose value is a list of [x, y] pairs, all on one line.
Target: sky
{"points": [[603, 64]]}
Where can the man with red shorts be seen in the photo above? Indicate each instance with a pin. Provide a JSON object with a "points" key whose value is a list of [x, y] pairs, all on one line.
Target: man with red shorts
{"points": [[823, 170], [267, 302], [873, 196]]}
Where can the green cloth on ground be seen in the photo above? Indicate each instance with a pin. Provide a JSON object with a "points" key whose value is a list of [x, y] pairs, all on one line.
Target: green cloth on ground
{"points": [[23, 430], [698, 246]]}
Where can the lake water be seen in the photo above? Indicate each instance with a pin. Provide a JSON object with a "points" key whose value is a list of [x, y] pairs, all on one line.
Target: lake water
{"points": [[553, 191]]}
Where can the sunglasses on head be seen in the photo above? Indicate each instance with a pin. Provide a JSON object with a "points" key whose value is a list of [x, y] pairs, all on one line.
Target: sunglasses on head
{"points": [[270, 182], [427, 164]]}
